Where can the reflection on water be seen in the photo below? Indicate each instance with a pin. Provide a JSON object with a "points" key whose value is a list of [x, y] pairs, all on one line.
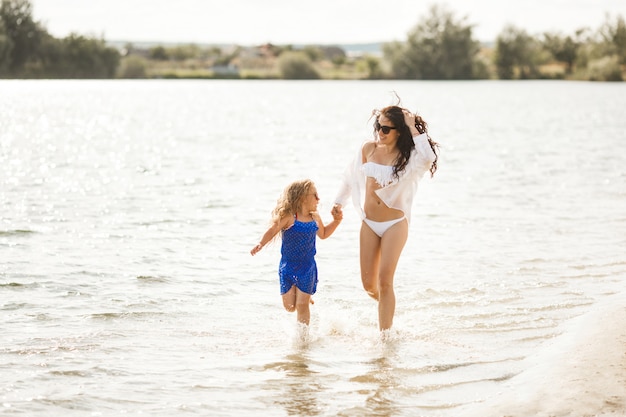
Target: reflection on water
{"points": [[380, 399], [297, 391]]}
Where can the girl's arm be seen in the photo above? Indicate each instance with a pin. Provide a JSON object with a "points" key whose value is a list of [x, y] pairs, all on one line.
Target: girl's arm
{"points": [[276, 227], [325, 231]]}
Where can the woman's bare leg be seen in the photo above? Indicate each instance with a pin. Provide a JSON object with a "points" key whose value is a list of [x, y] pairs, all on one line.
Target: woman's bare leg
{"points": [[370, 260], [392, 243]]}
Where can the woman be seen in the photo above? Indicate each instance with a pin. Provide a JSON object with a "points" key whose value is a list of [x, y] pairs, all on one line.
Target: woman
{"points": [[382, 181]]}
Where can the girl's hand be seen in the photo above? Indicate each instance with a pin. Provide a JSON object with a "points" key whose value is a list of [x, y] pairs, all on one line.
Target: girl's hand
{"points": [[256, 249], [337, 212]]}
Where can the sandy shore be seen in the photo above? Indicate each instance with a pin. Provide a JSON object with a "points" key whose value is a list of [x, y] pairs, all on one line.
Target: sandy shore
{"points": [[580, 373]]}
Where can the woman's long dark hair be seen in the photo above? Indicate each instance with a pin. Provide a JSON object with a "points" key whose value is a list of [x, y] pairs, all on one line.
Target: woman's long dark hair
{"points": [[405, 142]]}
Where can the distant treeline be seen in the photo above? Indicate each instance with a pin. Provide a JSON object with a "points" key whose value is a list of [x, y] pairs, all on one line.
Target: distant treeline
{"points": [[27, 50], [440, 47]]}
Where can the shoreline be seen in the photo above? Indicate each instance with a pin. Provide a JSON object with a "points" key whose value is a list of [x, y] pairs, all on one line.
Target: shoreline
{"points": [[581, 372]]}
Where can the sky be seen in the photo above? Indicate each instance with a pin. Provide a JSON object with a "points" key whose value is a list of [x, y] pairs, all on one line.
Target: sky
{"points": [[253, 22]]}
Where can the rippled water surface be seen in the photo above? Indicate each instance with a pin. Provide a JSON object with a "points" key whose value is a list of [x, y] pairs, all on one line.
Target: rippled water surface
{"points": [[128, 209]]}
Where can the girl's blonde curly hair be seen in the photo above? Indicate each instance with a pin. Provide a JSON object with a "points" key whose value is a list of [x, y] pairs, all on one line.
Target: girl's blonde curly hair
{"points": [[290, 201]]}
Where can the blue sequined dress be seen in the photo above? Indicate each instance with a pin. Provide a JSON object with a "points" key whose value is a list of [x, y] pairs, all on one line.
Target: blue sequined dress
{"points": [[297, 264]]}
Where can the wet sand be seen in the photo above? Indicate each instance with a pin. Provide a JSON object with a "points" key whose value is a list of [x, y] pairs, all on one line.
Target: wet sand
{"points": [[582, 372]]}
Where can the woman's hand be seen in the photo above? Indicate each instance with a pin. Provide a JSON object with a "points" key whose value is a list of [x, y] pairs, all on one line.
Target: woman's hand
{"points": [[409, 119]]}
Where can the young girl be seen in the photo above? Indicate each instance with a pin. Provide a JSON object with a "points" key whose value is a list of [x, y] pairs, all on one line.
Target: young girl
{"points": [[296, 218]]}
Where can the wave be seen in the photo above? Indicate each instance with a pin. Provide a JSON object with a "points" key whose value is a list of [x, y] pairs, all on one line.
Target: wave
{"points": [[125, 315], [148, 279], [16, 232]]}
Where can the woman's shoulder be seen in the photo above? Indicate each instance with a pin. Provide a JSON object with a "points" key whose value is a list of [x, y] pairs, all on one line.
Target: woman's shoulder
{"points": [[367, 148], [369, 144]]}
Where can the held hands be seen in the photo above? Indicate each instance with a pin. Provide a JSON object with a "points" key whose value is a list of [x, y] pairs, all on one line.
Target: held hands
{"points": [[337, 212]]}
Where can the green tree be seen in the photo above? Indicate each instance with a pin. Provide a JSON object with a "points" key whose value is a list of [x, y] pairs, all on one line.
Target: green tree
{"points": [[602, 55], [314, 53], [605, 69], [517, 55], [49, 62], [562, 48], [23, 32], [184, 52], [335, 54], [6, 45], [83, 57], [133, 67], [297, 66], [158, 53], [441, 47], [371, 65], [480, 69], [613, 34]]}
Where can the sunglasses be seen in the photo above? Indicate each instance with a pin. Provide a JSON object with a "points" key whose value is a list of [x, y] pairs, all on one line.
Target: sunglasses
{"points": [[385, 129]]}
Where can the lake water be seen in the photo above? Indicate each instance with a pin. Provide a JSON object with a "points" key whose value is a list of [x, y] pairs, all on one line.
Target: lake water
{"points": [[128, 210]]}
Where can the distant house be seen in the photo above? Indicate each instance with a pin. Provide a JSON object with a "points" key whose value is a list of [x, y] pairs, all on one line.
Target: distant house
{"points": [[230, 70]]}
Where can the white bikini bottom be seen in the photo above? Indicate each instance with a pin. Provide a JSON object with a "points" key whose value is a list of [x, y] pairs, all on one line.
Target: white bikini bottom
{"points": [[381, 227]]}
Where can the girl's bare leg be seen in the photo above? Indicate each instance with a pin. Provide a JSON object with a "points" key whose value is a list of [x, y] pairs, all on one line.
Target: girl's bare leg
{"points": [[370, 260], [391, 247], [302, 306], [289, 299]]}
